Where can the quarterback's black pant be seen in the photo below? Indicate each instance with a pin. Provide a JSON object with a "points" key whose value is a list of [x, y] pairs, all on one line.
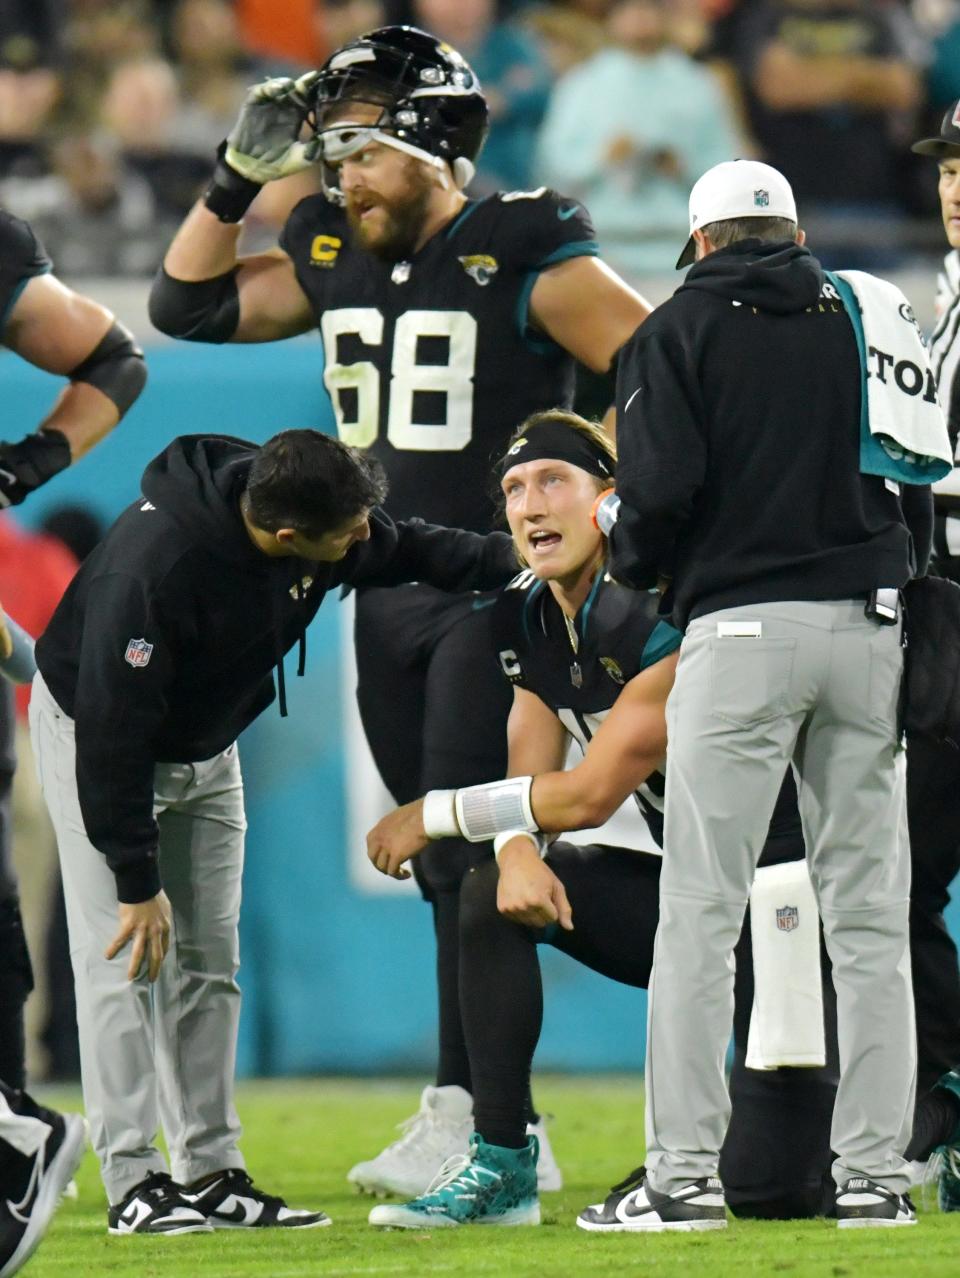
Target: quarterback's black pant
{"points": [[933, 812], [16, 977], [776, 1158], [434, 708]]}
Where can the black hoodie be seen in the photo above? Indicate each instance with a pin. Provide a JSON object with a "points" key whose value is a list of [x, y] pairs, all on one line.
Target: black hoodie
{"points": [[738, 429], [163, 646]]}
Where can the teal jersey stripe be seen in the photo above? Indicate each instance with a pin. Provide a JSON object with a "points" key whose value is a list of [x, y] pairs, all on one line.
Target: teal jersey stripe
{"points": [[15, 296], [663, 640], [461, 217], [576, 248]]}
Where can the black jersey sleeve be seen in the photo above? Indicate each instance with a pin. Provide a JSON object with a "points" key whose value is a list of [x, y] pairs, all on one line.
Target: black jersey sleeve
{"points": [[123, 679], [542, 228], [22, 257], [312, 238], [509, 625], [411, 550]]}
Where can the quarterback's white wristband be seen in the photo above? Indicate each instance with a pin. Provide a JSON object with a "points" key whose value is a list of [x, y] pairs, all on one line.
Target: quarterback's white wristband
{"points": [[538, 841], [439, 815], [484, 811]]}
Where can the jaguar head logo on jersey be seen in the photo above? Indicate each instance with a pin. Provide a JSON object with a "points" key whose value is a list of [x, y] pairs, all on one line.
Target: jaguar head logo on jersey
{"points": [[788, 918], [138, 653], [480, 267], [324, 250], [613, 670]]}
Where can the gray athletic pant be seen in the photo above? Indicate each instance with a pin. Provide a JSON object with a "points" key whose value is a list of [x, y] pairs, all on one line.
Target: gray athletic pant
{"points": [[820, 688], [163, 1053]]}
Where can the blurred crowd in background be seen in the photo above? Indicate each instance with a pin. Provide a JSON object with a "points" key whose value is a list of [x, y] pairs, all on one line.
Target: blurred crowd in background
{"points": [[110, 111]]}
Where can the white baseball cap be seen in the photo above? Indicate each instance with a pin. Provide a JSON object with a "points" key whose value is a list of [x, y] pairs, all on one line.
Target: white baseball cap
{"points": [[737, 188]]}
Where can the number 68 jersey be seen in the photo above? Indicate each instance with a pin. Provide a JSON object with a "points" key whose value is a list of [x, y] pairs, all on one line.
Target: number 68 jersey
{"points": [[432, 362]]}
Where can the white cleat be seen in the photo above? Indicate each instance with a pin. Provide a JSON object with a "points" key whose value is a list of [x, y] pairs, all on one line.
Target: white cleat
{"points": [[549, 1175], [440, 1128]]}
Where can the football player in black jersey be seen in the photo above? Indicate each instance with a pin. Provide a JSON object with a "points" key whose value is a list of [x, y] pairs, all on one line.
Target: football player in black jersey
{"points": [[445, 321], [587, 659], [65, 333]]}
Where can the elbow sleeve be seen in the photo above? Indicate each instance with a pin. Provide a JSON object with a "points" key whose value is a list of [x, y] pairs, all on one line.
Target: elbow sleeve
{"points": [[195, 310], [115, 366]]}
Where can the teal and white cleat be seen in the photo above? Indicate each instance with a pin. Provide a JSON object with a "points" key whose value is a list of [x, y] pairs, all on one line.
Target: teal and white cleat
{"points": [[948, 1155], [490, 1185]]}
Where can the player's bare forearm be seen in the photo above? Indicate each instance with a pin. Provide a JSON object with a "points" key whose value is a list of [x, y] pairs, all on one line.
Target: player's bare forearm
{"points": [[529, 892], [628, 746], [206, 293], [580, 800], [536, 739], [84, 415], [396, 838], [587, 309], [203, 247]]}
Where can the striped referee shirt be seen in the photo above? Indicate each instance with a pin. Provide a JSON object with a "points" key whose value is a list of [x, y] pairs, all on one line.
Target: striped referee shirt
{"points": [[944, 359]]}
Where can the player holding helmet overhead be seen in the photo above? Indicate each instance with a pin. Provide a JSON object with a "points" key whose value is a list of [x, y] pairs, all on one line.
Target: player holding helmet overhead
{"points": [[445, 321]]}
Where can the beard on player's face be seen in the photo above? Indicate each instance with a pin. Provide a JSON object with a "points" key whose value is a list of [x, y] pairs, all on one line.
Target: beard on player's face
{"points": [[392, 230]]}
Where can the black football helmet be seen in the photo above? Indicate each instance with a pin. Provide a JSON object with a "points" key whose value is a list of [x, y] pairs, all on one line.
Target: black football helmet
{"points": [[432, 104]]}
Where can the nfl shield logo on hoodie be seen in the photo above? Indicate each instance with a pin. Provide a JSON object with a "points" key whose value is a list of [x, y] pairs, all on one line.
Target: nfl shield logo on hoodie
{"points": [[138, 653]]}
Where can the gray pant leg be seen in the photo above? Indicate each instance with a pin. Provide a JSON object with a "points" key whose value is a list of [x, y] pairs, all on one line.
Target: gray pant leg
{"points": [[853, 805], [167, 1049], [197, 999], [731, 738], [114, 1015]]}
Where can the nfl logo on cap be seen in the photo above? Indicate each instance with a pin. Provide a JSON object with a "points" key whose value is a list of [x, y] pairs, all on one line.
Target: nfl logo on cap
{"points": [[737, 189]]}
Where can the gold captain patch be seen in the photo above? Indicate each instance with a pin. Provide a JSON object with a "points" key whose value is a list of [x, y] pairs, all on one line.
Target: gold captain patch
{"points": [[324, 250], [480, 267]]}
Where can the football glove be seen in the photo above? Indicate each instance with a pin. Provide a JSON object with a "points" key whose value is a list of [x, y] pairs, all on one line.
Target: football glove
{"points": [[264, 144], [26, 465]]}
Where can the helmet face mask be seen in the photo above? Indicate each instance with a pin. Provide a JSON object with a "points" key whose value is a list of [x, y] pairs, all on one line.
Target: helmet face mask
{"points": [[432, 105]]}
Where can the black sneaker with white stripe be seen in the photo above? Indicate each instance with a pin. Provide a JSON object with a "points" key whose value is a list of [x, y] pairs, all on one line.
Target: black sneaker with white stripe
{"points": [[157, 1205], [230, 1200], [31, 1187], [635, 1205], [865, 1204]]}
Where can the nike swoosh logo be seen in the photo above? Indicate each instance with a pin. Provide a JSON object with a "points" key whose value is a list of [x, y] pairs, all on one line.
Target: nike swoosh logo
{"points": [[566, 214], [632, 398], [482, 603], [135, 1213], [242, 1211], [238, 1214], [21, 1210]]}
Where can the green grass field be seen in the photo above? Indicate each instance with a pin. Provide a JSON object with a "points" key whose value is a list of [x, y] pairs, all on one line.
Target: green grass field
{"points": [[301, 1137]]}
